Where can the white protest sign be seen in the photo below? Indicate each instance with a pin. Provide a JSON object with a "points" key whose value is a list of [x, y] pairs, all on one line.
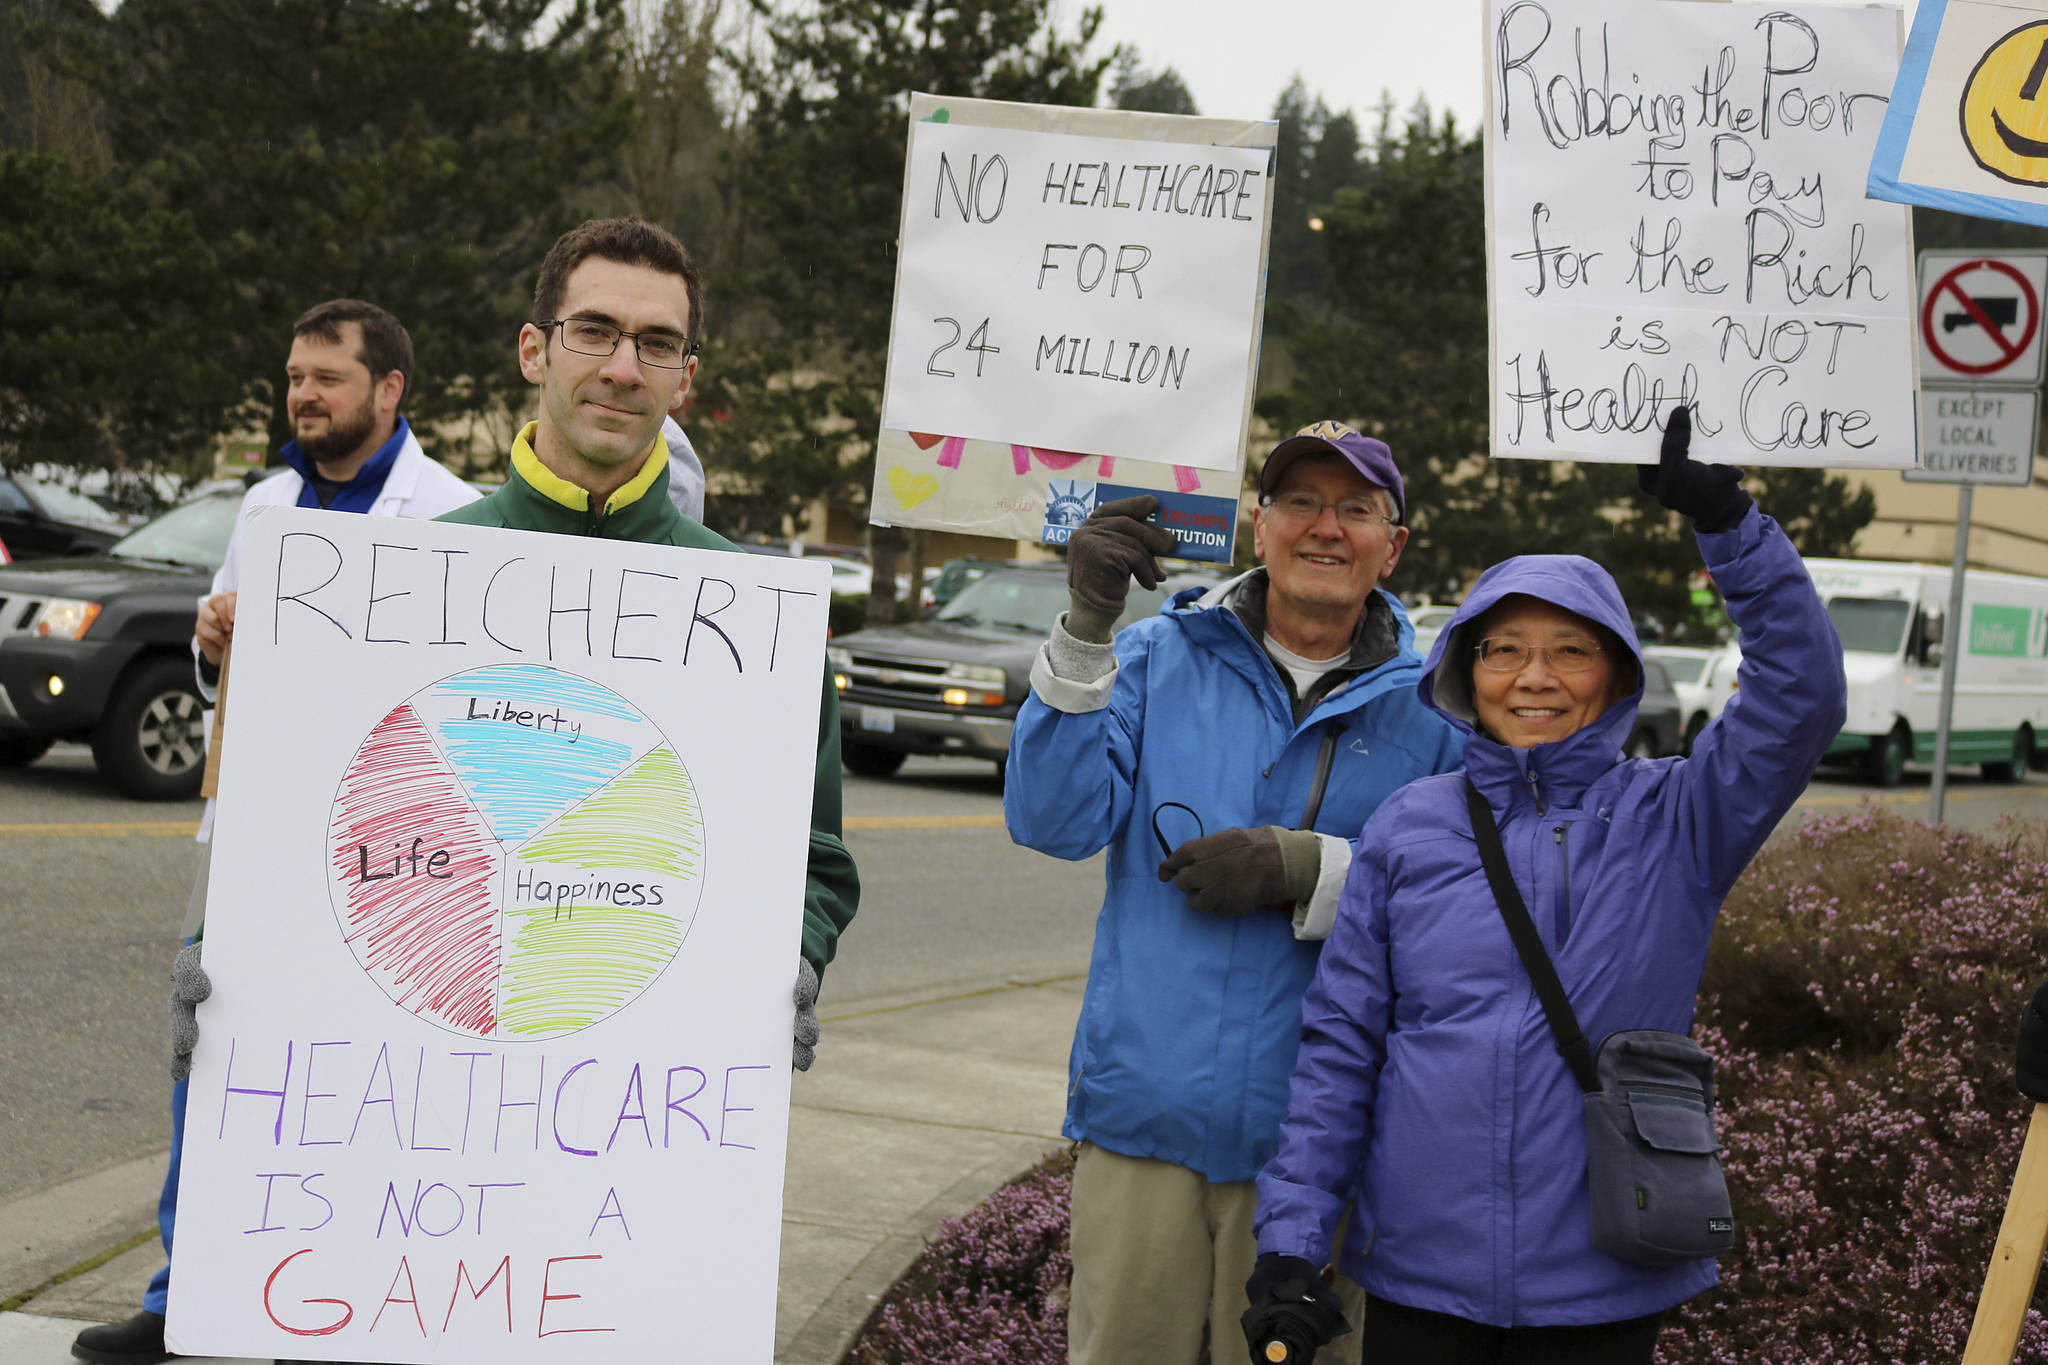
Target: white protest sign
{"points": [[1967, 130], [1078, 302], [505, 909], [1676, 215]]}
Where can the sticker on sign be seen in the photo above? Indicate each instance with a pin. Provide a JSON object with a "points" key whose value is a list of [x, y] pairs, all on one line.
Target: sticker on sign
{"points": [[1980, 315]]}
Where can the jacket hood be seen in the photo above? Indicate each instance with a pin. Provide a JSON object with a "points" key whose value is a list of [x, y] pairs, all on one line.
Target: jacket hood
{"points": [[1570, 581]]}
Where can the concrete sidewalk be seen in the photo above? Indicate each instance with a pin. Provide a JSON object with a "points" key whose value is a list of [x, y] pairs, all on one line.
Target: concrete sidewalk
{"points": [[915, 1111]]}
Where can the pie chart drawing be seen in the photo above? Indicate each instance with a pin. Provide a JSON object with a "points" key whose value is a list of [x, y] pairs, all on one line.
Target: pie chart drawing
{"points": [[515, 852]]}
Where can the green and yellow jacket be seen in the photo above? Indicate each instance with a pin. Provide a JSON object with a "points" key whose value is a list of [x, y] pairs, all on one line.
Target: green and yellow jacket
{"points": [[534, 498]]}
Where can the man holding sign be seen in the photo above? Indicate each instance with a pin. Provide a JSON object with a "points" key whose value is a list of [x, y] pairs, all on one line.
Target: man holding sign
{"points": [[617, 312], [1245, 734]]}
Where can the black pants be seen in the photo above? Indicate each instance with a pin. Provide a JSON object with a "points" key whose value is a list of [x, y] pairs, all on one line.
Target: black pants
{"points": [[1396, 1335]]}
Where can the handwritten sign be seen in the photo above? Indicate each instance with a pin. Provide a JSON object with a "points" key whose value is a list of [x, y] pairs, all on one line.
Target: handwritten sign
{"points": [[1967, 130], [505, 908], [1674, 195], [1079, 293]]}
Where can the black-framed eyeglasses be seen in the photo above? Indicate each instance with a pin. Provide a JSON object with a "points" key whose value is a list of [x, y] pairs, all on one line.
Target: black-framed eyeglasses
{"points": [[588, 336]]}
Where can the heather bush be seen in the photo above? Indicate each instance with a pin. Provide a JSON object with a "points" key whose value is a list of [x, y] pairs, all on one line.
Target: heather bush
{"points": [[1862, 998], [990, 1289]]}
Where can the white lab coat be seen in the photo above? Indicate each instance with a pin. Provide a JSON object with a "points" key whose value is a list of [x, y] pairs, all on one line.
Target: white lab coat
{"points": [[415, 487]]}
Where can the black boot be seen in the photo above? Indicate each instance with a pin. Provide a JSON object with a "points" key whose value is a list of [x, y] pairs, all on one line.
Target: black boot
{"points": [[138, 1341]]}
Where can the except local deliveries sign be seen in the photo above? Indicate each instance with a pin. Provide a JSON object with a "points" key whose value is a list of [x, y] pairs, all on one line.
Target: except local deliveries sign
{"points": [[1967, 130], [1977, 436], [1675, 215], [1980, 316], [496, 1065], [1078, 304]]}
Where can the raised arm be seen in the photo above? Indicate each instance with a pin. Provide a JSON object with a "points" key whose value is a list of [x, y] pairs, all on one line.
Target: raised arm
{"points": [[1073, 752], [1750, 765]]}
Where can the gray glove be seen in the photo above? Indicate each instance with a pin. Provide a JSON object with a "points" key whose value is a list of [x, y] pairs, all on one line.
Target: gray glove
{"points": [[1235, 871], [806, 997], [1108, 550], [189, 986]]}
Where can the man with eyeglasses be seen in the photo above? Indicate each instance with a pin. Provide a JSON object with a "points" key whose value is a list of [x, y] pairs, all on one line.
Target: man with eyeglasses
{"points": [[1226, 751], [348, 372], [612, 347]]}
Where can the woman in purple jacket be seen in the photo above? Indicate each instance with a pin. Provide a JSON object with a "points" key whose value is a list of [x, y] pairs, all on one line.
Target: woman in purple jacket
{"points": [[1428, 1087]]}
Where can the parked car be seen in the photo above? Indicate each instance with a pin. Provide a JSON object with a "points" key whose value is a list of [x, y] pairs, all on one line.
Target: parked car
{"points": [[1689, 667], [1429, 622], [952, 683], [40, 519], [956, 575], [1660, 728], [98, 649]]}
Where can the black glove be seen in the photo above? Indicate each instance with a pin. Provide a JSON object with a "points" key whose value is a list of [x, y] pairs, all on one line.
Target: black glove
{"points": [[1235, 871], [2030, 1066], [1710, 494], [1111, 548], [1293, 1311], [189, 986], [805, 997]]}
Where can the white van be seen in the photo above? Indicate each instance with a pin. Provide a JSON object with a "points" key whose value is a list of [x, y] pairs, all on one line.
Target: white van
{"points": [[1890, 618]]}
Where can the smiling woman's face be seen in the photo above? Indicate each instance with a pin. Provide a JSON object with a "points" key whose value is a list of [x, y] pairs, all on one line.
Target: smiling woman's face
{"points": [[1540, 702]]}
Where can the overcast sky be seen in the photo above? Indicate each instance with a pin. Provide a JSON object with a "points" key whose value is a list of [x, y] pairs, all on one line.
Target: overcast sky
{"points": [[1237, 57]]}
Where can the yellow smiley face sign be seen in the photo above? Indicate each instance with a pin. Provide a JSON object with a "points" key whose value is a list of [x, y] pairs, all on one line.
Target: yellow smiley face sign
{"points": [[2005, 107]]}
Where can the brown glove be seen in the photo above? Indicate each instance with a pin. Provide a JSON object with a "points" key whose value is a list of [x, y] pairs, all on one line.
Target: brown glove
{"points": [[1107, 551], [1235, 871]]}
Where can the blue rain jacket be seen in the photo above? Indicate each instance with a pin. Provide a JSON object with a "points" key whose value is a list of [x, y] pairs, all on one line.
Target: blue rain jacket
{"points": [[1428, 1084], [1190, 1022]]}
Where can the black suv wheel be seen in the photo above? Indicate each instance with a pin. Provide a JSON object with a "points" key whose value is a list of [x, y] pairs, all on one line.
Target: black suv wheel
{"points": [[19, 748], [151, 742], [871, 760]]}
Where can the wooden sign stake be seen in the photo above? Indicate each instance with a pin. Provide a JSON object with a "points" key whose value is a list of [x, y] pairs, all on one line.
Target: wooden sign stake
{"points": [[2016, 1256]]}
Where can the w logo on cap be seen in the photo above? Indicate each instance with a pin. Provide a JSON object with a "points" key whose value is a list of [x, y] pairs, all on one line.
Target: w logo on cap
{"points": [[1327, 430]]}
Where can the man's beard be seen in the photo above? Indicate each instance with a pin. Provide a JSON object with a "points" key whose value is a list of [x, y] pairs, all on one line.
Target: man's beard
{"points": [[345, 432]]}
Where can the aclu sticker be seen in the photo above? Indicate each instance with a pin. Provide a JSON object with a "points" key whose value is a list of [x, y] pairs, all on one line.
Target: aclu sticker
{"points": [[1067, 504], [1202, 527]]}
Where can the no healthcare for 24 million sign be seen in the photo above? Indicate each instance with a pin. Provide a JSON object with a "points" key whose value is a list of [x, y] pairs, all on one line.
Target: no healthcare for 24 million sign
{"points": [[1077, 318], [1676, 215]]}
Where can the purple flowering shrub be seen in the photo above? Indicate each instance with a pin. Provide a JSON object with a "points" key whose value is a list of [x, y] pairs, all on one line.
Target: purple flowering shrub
{"points": [[1862, 999], [990, 1288]]}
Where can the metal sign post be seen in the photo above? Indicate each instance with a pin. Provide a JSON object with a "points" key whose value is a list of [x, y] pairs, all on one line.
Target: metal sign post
{"points": [[1981, 356], [1955, 635]]}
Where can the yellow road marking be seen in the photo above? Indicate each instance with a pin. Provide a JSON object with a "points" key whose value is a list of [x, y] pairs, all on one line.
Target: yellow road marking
{"points": [[105, 829], [158, 829], [924, 822]]}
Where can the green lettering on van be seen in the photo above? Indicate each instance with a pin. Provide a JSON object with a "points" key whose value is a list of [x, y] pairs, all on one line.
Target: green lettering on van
{"points": [[2001, 631]]}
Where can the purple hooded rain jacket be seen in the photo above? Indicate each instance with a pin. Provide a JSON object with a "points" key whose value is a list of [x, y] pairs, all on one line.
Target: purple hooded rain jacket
{"points": [[1428, 1086]]}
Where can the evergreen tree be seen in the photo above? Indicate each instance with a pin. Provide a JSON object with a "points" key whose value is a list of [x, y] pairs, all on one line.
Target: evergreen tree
{"points": [[420, 155]]}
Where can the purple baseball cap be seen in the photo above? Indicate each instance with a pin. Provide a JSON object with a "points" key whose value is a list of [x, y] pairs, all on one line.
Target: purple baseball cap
{"points": [[1368, 456]]}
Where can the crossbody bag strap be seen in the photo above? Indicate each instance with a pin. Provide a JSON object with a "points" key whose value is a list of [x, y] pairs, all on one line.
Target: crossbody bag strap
{"points": [[1557, 1007]]}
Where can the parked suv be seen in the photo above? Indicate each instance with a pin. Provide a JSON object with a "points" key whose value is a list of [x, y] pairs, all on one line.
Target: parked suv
{"points": [[99, 650], [40, 518], [951, 684]]}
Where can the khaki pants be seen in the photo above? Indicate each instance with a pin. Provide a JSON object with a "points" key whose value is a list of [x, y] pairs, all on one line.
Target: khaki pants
{"points": [[1159, 1253]]}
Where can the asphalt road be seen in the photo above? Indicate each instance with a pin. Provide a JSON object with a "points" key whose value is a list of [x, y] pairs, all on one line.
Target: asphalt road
{"points": [[93, 888]]}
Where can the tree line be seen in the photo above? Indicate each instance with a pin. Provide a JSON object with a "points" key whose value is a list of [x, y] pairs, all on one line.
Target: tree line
{"points": [[182, 177]]}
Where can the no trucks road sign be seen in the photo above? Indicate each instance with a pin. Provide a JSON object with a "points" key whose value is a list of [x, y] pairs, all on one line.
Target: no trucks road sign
{"points": [[1980, 316]]}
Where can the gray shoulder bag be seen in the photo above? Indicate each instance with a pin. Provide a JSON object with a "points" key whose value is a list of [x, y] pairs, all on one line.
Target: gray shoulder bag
{"points": [[1653, 1165]]}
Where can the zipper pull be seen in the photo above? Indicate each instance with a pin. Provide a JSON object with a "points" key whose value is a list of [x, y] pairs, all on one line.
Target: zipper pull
{"points": [[1535, 791], [1559, 831]]}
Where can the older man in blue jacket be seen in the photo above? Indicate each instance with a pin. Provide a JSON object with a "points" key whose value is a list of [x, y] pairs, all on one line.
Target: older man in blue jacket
{"points": [[1245, 733]]}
